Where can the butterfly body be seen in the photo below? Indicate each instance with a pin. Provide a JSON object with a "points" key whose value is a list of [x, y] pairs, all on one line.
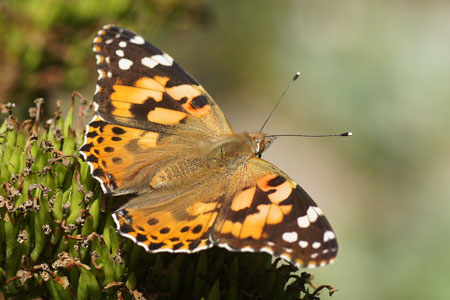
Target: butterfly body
{"points": [[158, 134]]}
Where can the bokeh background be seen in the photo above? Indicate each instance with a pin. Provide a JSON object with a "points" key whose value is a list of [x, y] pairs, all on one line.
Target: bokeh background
{"points": [[378, 68]]}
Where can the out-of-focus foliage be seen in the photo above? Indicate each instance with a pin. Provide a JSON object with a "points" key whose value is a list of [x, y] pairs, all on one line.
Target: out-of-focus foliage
{"points": [[46, 43]]}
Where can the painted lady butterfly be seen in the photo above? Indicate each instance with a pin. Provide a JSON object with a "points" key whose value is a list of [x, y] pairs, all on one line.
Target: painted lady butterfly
{"points": [[158, 134]]}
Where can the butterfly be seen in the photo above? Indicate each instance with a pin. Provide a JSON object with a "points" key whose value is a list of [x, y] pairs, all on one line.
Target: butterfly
{"points": [[159, 135]]}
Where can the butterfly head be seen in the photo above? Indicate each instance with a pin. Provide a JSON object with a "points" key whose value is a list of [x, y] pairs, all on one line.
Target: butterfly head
{"points": [[259, 142]]}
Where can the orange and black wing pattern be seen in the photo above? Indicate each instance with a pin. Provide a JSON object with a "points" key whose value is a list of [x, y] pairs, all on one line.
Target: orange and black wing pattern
{"points": [[140, 86], [158, 134], [147, 111], [275, 215]]}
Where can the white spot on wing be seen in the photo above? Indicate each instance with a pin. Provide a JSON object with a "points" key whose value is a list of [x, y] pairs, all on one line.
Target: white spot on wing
{"points": [[158, 59], [148, 62], [120, 53], [290, 237], [125, 63], [122, 44], [137, 40], [316, 245], [328, 235], [303, 222], [312, 214], [164, 59], [108, 41], [303, 244], [100, 74]]}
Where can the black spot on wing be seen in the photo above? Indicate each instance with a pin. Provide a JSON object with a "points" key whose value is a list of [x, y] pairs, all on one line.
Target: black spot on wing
{"points": [[97, 124], [194, 244], [164, 230], [117, 160], [177, 246], [197, 229], [118, 130], [126, 228], [276, 181], [92, 134], [141, 238], [87, 147], [199, 101], [98, 172], [155, 246], [92, 158], [152, 221]]}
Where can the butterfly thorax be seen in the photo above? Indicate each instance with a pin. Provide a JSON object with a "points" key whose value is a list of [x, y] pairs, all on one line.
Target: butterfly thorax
{"points": [[233, 150], [224, 155]]}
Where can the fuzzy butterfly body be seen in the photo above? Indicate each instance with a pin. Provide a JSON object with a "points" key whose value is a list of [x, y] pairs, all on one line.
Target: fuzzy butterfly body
{"points": [[158, 134]]}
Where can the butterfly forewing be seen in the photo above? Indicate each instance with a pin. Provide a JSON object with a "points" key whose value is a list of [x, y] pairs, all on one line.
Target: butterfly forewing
{"points": [[141, 86], [157, 133], [148, 111]]}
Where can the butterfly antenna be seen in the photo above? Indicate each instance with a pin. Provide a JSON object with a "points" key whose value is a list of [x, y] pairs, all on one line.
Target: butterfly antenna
{"points": [[296, 76], [348, 133]]}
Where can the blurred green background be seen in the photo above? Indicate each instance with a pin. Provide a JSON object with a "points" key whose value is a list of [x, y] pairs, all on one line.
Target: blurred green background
{"points": [[378, 68]]}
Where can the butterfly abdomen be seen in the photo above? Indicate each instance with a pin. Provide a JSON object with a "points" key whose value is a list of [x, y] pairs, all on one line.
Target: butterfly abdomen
{"points": [[178, 173]]}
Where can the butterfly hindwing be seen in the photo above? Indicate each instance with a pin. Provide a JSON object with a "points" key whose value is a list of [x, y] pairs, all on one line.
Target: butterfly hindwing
{"points": [[175, 221], [275, 215]]}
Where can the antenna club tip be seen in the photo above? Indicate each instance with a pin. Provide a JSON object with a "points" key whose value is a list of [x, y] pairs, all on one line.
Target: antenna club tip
{"points": [[347, 133], [296, 76]]}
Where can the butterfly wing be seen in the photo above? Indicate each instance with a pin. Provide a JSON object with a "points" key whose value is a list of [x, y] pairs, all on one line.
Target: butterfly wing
{"points": [[269, 212], [141, 86], [149, 111], [146, 137], [176, 221]]}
